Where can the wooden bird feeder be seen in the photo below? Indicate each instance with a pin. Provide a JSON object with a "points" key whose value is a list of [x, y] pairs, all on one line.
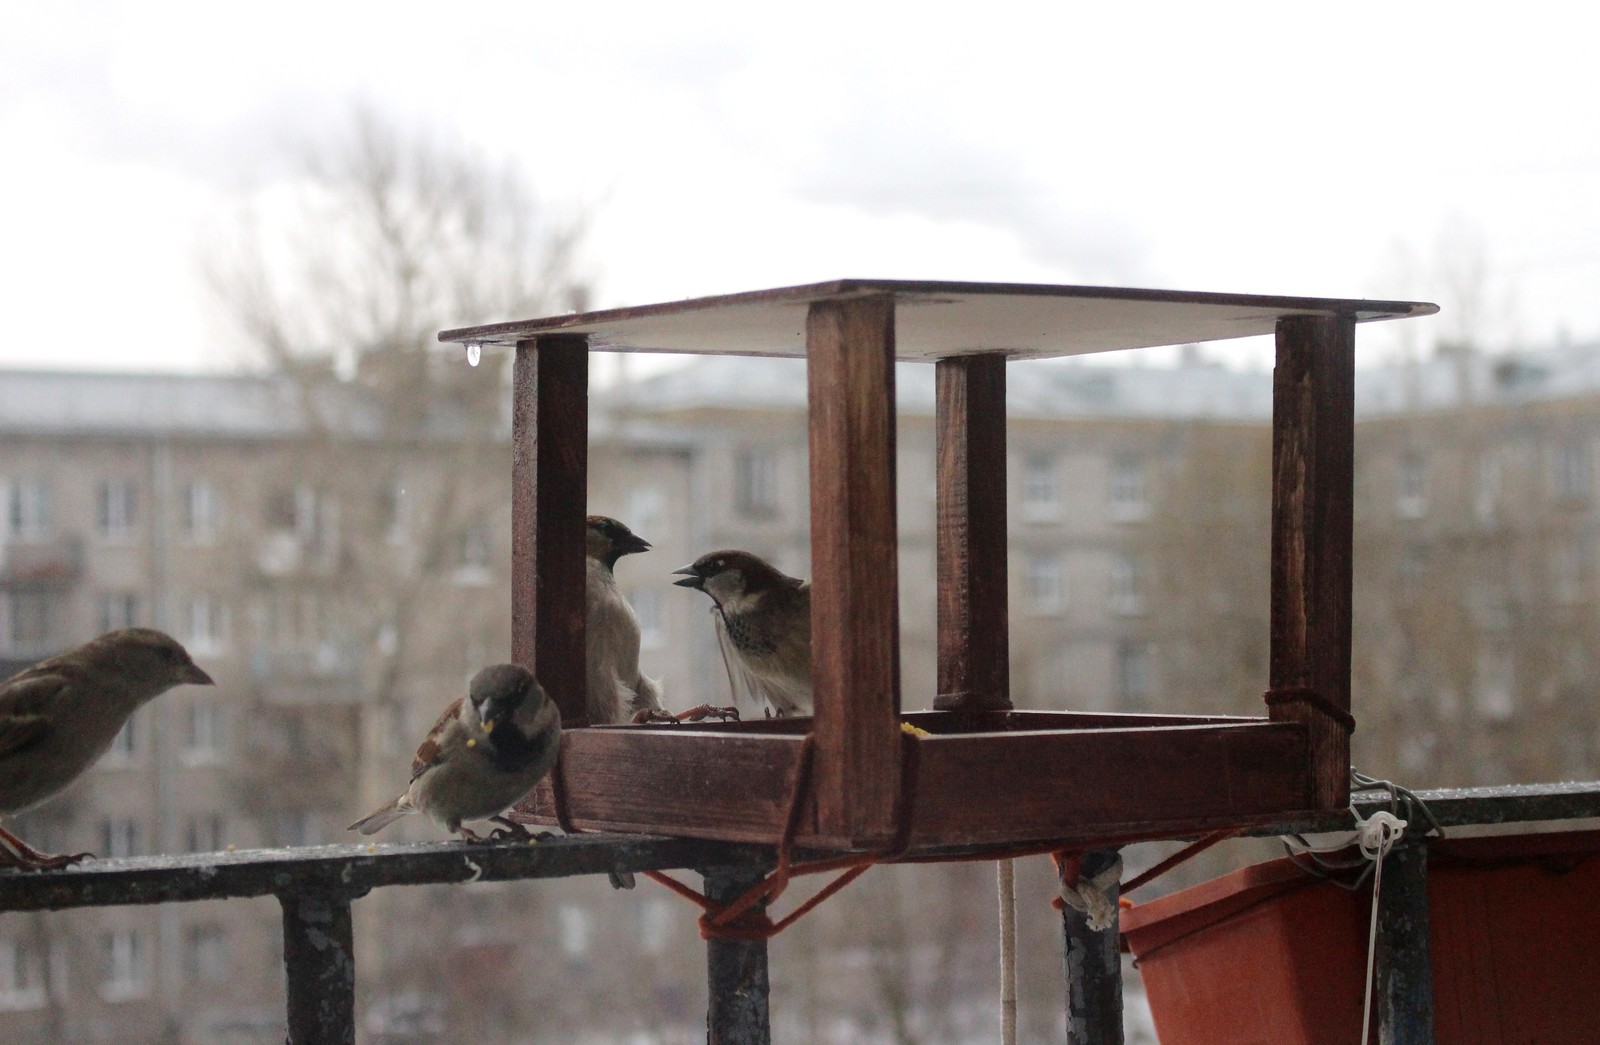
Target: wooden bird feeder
{"points": [[988, 775]]}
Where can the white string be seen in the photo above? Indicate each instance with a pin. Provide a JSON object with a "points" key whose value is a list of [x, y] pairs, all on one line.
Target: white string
{"points": [[1376, 836], [1006, 881]]}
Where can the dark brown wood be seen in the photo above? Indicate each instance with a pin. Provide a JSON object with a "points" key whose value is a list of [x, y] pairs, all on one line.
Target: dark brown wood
{"points": [[956, 722], [662, 780], [549, 490], [1098, 785], [1313, 433], [855, 598], [616, 322], [974, 650]]}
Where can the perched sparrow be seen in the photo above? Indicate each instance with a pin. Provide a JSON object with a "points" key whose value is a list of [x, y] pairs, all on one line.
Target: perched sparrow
{"points": [[763, 622], [616, 689], [59, 716], [482, 757]]}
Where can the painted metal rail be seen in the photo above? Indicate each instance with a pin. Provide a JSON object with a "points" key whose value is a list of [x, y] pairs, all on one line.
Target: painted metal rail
{"points": [[316, 886]]}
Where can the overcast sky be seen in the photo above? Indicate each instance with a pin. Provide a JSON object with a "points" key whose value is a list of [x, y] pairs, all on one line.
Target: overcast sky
{"points": [[1349, 150]]}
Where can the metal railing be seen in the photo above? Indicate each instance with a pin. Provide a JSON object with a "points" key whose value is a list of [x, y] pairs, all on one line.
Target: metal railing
{"points": [[316, 886]]}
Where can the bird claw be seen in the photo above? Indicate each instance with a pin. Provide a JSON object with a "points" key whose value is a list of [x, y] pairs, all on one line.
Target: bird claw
{"points": [[694, 714], [14, 852], [37, 861], [515, 832]]}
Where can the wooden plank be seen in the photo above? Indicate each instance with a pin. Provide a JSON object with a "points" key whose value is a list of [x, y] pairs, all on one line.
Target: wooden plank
{"points": [[1073, 784], [1019, 320], [549, 489], [957, 722], [665, 781], [1096, 784], [855, 622], [1313, 434], [974, 651]]}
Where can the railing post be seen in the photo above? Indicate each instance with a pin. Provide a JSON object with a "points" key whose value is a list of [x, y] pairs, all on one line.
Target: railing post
{"points": [[319, 958], [1405, 969], [736, 970], [1094, 966]]}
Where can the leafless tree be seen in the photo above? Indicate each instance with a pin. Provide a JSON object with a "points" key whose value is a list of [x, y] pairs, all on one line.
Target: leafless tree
{"points": [[382, 572]]}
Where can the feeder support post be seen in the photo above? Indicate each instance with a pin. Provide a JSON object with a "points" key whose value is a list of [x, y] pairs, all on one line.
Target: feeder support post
{"points": [[855, 590], [974, 670], [1313, 491], [549, 488]]}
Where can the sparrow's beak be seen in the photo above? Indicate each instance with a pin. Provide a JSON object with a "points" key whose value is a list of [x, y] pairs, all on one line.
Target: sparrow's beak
{"points": [[489, 714], [691, 578], [631, 544], [192, 674]]}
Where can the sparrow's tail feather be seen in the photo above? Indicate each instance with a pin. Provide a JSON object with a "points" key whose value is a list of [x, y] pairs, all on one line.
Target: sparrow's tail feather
{"points": [[372, 823]]}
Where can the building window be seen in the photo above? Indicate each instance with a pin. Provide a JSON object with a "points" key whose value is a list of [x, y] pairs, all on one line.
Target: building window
{"points": [[124, 749], [1567, 576], [1134, 683], [28, 510], [656, 917], [394, 515], [202, 735], [308, 513], [646, 507], [118, 609], [1411, 500], [205, 954], [1041, 488], [475, 557], [1127, 586], [205, 833], [22, 982], [125, 970], [1129, 495], [121, 836], [577, 930], [1047, 583], [298, 827], [652, 618], [27, 622], [1492, 686], [201, 512], [1572, 471], [756, 479], [204, 619], [1486, 492], [116, 501]]}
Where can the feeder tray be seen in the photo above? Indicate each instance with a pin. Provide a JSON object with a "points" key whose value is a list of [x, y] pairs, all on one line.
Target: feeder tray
{"points": [[987, 775]]}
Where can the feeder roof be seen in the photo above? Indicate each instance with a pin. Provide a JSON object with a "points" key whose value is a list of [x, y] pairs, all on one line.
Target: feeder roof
{"points": [[935, 320]]}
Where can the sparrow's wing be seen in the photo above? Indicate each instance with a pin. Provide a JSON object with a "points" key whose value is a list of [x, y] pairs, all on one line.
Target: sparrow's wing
{"points": [[25, 703], [431, 752], [20, 732], [741, 680]]}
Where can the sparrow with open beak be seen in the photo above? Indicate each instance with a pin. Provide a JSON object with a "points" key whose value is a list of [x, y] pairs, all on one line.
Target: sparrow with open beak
{"points": [[483, 756], [763, 623], [59, 716], [617, 690]]}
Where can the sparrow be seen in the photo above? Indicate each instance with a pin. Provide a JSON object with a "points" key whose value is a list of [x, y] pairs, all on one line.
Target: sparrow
{"points": [[763, 623], [617, 691], [58, 717], [483, 756]]}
